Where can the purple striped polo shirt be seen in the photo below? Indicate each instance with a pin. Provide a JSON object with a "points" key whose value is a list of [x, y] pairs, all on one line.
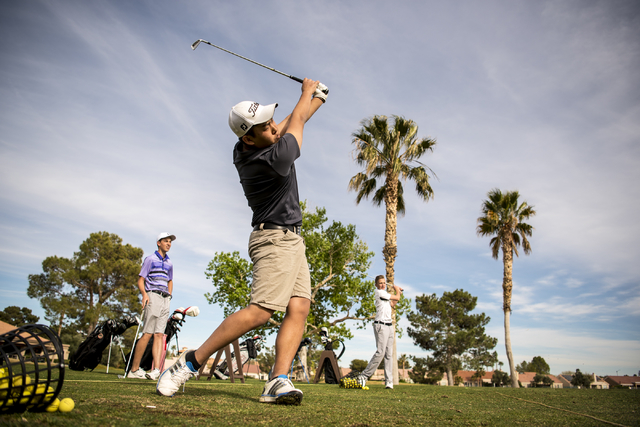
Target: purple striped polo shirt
{"points": [[157, 272]]}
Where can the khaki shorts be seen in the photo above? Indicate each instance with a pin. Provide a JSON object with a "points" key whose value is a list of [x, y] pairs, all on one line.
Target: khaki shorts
{"points": [[156, 314], [280, 269]]}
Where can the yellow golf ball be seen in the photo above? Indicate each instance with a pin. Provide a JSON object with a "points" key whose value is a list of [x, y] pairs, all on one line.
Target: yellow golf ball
{"points": [[54, 406], [66, 405], [25, 398], [365, 388]]}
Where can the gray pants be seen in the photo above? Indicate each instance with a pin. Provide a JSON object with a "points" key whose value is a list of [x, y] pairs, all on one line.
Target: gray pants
{"points": [[384, 348]]}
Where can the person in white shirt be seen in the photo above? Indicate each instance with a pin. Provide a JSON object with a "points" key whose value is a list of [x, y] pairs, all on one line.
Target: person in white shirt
{"points": [[383, 331]]}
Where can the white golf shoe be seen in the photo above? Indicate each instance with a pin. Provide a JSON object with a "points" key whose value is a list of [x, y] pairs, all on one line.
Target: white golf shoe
{"points": [[179, 373], [140, 374], [280, 390], [153, 375]]}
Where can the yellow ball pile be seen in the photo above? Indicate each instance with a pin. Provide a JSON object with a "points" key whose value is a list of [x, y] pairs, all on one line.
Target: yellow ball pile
{"points": [[350, 383], [22, 397]]}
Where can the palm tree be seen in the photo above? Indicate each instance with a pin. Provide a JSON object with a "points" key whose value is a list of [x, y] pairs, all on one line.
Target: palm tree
{"points": [[504, 218], [390, 153]]}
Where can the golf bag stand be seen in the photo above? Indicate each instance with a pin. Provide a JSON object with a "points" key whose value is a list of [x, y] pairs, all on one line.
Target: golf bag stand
{"points": [[228, 356], [305, 342], [328, 361], [329, 365]]}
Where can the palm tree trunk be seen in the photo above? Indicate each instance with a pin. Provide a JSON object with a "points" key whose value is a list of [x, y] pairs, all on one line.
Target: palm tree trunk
{"points": [[507, 343], [390, 251], [507, 287]]}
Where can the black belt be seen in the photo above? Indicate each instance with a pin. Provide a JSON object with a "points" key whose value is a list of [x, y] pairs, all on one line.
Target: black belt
{"points": [[382, 323], [164, 294], [270, 226]]}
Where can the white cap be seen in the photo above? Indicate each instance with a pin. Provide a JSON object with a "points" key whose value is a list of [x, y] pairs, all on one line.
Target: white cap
{"points": [[247, 114], [165, 235]]}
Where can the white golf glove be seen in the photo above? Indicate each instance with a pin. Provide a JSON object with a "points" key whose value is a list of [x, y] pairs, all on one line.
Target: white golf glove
{"points": [[321, 92]]}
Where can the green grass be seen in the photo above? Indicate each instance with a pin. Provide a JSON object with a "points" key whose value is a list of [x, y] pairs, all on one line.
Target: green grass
{"points": [[102, 399]]}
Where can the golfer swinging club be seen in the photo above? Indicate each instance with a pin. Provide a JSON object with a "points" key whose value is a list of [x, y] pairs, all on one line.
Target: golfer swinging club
{"points": [[384, 332], [264, 157]]}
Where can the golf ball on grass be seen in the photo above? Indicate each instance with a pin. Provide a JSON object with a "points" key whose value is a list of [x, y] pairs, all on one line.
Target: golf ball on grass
{"points": [[66, 405]]}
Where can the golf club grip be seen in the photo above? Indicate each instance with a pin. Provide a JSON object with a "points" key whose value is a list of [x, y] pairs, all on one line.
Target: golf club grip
{"points": [[299, 80]]}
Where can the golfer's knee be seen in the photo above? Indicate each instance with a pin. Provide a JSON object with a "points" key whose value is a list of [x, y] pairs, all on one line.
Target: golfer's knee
{"points": [[259, 315], [298, 307]]}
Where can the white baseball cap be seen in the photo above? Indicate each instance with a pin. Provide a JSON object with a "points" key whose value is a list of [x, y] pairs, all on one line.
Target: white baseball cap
{"points": [[247, 114], [165, 235]]}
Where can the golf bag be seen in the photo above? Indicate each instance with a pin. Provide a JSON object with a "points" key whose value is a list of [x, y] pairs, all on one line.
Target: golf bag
{"points": [[174, 322], [330, 376], [249, 349], [89, 353]]}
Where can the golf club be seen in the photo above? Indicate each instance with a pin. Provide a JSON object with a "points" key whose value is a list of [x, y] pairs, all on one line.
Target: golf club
{"points": [[126, 371], [298, 79]]}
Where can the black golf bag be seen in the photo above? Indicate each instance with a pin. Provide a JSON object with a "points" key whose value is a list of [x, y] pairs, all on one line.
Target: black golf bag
{"points": [[249, 349], [89, 353]]}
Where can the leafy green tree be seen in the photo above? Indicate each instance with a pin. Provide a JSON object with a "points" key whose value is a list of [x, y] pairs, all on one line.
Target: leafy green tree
{"points": [[503, 217], [537, 380], [390, 153], [541, 380], [477, 359], [98, 283], [500, 378], [404, 361], [358, 365], [445, 327], [17, 316], [581, 380], [338, 263], [522, 367], [537, 364], [267, 358], [427, 370]]}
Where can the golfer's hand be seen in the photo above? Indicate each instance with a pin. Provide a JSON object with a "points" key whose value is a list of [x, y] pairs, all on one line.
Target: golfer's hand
{"points": [[321, 92], [145, 300], [309, 86]]}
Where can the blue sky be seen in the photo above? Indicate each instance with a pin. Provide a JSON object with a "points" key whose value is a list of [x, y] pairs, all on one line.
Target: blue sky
{"points": [[110, 122]]}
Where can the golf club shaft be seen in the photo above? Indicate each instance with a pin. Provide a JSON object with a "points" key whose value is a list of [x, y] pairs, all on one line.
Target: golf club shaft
{"points": [[197, 42], [126, 370]]}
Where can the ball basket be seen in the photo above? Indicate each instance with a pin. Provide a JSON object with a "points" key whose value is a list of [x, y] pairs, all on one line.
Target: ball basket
{"points": [[31, 369], [351, 380]]}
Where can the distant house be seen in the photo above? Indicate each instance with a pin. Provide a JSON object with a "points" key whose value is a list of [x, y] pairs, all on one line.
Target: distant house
{"points": [[7, 327], [624, 381], [596, 382], [378, 375], [526, 379]]}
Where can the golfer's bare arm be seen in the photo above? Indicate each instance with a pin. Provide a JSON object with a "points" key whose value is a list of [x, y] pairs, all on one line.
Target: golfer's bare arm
{"points": [[145, 297], [395, 297], [302, 112]]}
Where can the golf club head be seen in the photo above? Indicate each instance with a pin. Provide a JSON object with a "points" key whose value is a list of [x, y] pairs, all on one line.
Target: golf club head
{"points": [[195, 44], [192, 311]]}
